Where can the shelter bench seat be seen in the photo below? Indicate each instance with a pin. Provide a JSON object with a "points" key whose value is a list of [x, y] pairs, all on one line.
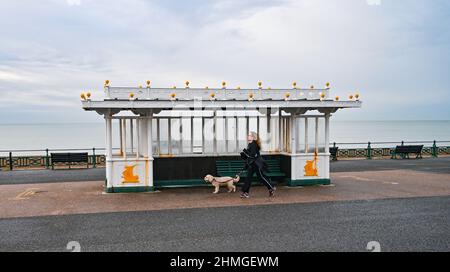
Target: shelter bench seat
{"points": [[230, 168]]}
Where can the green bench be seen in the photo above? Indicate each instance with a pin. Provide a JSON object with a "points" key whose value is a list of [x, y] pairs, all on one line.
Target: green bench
{"points": [[232, 167]]}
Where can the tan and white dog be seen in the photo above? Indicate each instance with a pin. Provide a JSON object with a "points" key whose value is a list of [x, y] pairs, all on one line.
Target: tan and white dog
{"points": [[222, 181]]}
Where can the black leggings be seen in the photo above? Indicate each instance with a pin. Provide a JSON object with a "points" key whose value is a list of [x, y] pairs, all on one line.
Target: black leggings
{"points": [[263, 178]]}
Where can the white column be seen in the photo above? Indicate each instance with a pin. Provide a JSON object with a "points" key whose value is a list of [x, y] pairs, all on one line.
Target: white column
{"points": [[294, 134], [327, 133], [158, 133], [236, 127], [306, 135], [225, 120], [215, 133], [192, 134], [131, 136], [149, 137], [149, 179], [108, 152], [142, 136], [169, 135], [138, 138], [180, 128], [327, 143], [316, 135], [124, 135], [203, 134]]}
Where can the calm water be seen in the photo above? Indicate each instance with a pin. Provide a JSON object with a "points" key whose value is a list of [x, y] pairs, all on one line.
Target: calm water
{"points": [[88, 135]]}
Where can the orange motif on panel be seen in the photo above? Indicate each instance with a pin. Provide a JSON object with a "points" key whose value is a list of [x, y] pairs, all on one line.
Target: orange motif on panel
{"points": [[128, 175], [311, 167]]}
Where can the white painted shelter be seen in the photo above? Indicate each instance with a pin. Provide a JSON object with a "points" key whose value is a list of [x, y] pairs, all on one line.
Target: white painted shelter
{"points": [[188, 125]]}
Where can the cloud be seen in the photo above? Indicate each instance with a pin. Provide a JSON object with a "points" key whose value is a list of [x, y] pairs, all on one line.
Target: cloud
{"points": [[390, 53], [73, 2]]}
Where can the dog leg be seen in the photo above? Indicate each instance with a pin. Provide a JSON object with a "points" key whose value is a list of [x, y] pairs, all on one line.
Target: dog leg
{"points": [[216, 191]]}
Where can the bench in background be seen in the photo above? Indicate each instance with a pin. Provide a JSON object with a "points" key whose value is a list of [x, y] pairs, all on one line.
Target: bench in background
{"points": [[69, 158], [405, 150], [333, 153]]}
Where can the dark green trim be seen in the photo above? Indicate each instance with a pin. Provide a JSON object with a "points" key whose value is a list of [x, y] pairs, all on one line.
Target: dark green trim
{"points": [[131, 189], [173, 183], [178, 183], [308, 182]]}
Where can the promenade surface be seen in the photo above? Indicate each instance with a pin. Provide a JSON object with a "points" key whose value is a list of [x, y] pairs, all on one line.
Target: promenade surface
{"points": [[26, 194], [402, 205]]}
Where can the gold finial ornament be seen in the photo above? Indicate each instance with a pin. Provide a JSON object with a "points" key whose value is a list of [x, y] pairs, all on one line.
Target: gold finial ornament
{"points": [[260, 84], [140, 86], [312, 87], [328, 85], [224, 84], [187, 83], [357, 96], [250, 97], [131, 95], [148, 83], [107, 83], [287, 95], [83, 96], [350, 97], [336, 98], [294, 84], [173, 95], [322, 95], [88, 95]]}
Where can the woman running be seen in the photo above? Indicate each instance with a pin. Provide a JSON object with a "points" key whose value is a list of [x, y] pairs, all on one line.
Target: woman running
{"points": [[254, 163]]}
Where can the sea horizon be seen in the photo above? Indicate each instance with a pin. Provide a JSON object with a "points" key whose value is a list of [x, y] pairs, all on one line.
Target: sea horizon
{"points": [[87, 135]]}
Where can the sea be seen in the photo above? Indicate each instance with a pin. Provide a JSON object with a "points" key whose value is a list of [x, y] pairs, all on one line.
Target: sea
{"points": [[29, 138]]}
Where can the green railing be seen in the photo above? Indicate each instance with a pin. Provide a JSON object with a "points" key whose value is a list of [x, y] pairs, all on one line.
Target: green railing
{"points": [[370, 150], [11, 159], [41, 158]]}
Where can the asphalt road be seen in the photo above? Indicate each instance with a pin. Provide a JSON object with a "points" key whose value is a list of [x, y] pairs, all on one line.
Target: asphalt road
{"points": [[413, 224], [435, 165]]}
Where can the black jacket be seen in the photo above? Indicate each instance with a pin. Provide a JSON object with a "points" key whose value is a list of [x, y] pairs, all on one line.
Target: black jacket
{"points": [[252, 156]]}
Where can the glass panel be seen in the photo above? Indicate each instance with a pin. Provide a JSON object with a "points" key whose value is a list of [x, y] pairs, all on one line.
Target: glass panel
{"points": [[163, 135], [311, 135], [220, 134], [197, 127], [186, 134], [208, 145], [321, 135], [301, 135]]}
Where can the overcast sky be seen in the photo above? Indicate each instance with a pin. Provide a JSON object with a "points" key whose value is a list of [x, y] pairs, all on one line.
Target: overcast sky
{"points": [[395, 53]]}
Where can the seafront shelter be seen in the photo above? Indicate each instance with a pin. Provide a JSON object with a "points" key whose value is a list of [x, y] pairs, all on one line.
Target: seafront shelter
{"points": [[174, 136]]}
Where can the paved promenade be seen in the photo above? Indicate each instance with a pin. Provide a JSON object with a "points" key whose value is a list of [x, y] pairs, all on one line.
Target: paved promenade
{"points": [[403, 205], [403, 179]]}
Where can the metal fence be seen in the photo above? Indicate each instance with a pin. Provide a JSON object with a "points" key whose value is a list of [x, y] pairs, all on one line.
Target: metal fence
{"points": [[21, 158]]}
